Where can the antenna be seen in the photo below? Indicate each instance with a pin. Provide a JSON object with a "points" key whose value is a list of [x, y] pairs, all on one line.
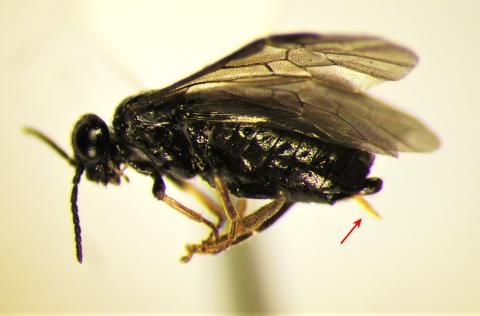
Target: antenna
{"points": [[36, 133], [76, 219], [76, 180]]}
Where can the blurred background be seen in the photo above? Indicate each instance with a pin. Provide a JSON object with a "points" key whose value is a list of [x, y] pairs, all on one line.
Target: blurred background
{"points": [[60, 59]]}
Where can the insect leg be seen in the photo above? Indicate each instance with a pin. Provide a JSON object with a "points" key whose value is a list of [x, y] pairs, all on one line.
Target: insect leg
{"points": [[232, 215], [276, 216], [266, 215], [255, 222], [159, 193], [241, 206], [211, 205]]}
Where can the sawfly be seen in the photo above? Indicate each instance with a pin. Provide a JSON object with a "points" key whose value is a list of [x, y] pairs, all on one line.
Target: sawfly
{"points": [[284, 118]]}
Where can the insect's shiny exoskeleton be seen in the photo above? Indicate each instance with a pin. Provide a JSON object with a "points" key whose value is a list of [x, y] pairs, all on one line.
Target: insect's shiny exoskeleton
{"points": [[284, 118]]}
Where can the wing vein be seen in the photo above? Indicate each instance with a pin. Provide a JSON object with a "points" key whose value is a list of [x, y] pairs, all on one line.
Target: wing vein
{"points": [[389, 61]]}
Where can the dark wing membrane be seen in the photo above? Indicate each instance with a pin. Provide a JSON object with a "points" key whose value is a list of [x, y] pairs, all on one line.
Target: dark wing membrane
{"points": [[311, 84], [332, 115]]}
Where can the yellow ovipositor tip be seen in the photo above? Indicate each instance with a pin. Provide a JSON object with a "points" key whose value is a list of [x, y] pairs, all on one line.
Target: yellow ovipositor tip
{"points": [[369, 208]]}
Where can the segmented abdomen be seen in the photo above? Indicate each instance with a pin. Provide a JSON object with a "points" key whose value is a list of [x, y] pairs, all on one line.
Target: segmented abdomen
{"points": [[257, 162]]}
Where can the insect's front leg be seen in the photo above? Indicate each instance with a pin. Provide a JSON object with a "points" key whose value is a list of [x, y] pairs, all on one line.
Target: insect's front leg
{"points": [[159, 193], [211, 205]]}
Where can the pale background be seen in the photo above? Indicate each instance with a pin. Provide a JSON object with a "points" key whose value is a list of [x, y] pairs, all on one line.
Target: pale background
{"points": [[60, 59]]}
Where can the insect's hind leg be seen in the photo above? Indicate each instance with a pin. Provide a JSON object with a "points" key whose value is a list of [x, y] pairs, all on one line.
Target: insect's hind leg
{"points": [[267, 222], [255, 222], [159, 193]]}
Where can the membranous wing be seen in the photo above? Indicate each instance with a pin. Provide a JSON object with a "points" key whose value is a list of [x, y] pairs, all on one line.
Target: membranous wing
{"points": [[311, 84]]}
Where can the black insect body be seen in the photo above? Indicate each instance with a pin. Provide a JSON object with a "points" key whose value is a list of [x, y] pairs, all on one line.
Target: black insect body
{"points": [[283, 118], [255, 161]]}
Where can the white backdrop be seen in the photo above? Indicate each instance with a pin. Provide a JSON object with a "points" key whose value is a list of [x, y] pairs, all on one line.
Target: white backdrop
{"points": [[60, 59]]}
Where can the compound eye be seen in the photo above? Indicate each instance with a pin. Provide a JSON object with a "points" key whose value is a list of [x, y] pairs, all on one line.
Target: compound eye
{"points": [[91, 139]]}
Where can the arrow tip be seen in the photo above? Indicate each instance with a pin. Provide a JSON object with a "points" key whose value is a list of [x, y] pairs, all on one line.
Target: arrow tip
{"points": [[357, 222]]}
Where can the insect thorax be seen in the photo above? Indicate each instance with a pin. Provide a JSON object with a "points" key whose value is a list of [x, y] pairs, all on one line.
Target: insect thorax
{"points": [[156, 135]]}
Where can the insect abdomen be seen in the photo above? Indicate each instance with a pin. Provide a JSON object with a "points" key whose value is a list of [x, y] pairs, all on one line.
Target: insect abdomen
{"points": [[258, 162]]}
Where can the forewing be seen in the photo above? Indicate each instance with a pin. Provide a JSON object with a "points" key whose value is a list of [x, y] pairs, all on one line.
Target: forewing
{"points": [[351, 63]]}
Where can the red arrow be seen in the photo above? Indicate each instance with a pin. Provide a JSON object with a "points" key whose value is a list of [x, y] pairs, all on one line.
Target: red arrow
{"points": [[356, 224]]}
